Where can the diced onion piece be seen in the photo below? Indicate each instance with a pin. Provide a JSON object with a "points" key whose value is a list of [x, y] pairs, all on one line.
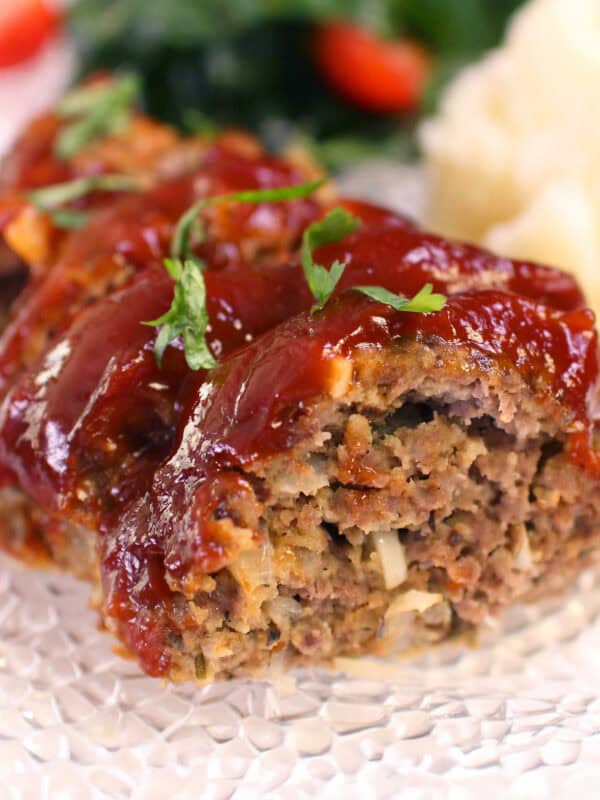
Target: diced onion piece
{"points": [[413, 600], [392, 556], [524, 558], [254, 567], [283, 611], [304, 479]]}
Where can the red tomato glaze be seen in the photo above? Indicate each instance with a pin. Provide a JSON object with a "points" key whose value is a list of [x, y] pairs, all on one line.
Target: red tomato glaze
{"points": [[96, 432], [134, 233], [248, 409]]}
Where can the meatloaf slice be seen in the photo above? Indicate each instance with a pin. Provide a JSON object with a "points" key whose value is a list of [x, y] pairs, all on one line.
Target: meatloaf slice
{"points": [[339, 488], [358, 479]]}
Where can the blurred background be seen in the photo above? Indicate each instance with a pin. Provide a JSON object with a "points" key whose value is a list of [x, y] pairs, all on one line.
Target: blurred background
{"points": [[346, 78], [479, 118]]}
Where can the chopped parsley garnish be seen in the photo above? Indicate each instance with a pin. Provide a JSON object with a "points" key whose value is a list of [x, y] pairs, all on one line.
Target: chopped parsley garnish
{"points": [[69, 220], [51, 198], [198, 123], [334, 227], [95, 111], [423, 302], [190, 221], [338, 224], [188, 315]]}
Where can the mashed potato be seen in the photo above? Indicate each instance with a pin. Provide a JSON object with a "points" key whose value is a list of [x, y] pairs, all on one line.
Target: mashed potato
{"points": [[514, 155]]}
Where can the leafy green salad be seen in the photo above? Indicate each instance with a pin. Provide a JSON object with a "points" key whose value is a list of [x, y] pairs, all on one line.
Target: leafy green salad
{"points": [[345, 77]]}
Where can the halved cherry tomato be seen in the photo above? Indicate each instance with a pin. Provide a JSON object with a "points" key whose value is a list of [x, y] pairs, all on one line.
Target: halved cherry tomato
{"points": [[370, 72], [24, 27]]}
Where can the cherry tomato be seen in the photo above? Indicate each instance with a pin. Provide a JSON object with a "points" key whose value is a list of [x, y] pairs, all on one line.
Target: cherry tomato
{"points": [[370, 72], [25, 25]]}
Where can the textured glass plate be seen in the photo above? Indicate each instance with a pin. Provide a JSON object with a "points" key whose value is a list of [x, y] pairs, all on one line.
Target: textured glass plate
{"points": [[518, 717]]}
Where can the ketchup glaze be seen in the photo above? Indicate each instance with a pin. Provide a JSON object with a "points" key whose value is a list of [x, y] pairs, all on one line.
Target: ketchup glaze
{"points": [[95, 432]]}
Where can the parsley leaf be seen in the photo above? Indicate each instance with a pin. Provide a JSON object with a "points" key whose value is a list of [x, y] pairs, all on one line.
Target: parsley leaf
{"points": [[187, 316], [180, 245], [187, 224], [423, 302], [98, 111], [69, 220], [200, 667], [338, 224], [322, 281], [198, 123], [51, 198]]}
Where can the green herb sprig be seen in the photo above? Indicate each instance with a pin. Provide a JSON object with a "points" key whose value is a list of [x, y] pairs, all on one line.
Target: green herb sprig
{"points": [[191, 223], [188, 315], [51, 198], [423, 302], [334, 227], [322, 282], [96, 111]]}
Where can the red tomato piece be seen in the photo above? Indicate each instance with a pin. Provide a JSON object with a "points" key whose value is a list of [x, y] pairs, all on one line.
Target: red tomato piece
{"points": [[25, 25], [370, 72]]}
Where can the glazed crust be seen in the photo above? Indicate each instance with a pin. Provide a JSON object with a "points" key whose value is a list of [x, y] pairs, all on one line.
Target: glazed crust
{"points": [[360, 479]]}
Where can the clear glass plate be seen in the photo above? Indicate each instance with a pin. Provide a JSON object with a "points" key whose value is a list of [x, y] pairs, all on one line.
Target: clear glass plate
{"points": [[518, 717]]}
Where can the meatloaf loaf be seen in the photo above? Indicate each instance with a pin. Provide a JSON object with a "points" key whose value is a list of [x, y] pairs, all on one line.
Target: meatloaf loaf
{"points": [[345, 480]]}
